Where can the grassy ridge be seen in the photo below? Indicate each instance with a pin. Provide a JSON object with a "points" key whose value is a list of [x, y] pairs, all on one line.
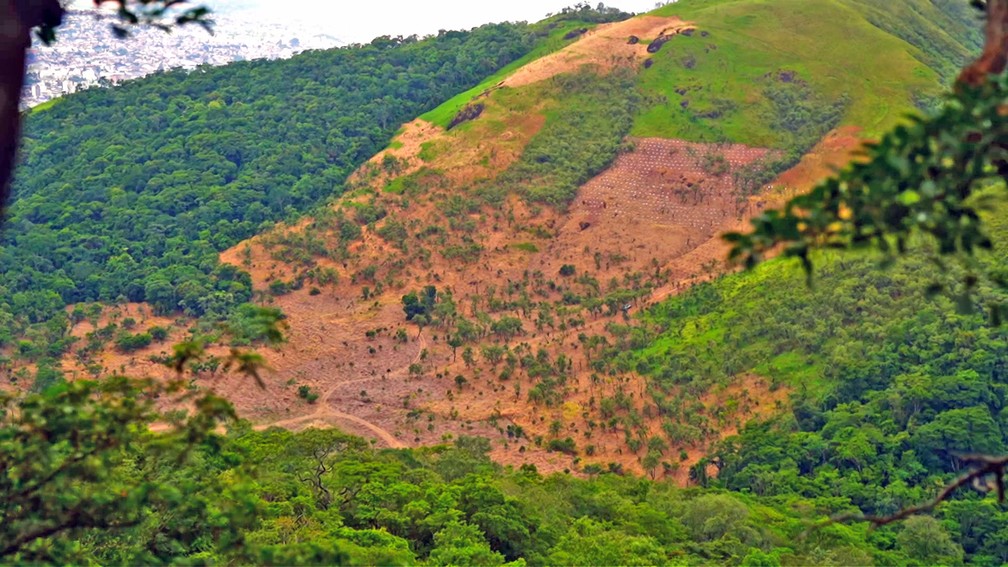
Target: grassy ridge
{"points": [[830, 44], [443, 114], [947, 32]]}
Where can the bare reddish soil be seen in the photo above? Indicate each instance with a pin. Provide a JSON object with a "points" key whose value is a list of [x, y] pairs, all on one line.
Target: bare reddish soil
{"points": [[654, 210], [603, 48], [649, 224]]}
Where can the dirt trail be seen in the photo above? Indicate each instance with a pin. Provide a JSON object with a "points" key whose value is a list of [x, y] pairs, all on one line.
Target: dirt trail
{"points": [[328, 413], [325, 412]]}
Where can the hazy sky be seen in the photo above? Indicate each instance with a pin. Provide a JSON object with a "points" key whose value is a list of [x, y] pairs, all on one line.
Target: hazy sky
{"points": [[363, 20]]}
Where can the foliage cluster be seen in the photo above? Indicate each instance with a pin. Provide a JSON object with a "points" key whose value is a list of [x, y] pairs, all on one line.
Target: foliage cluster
{"points": [[421, 304], [322, 497], [581, 137]]}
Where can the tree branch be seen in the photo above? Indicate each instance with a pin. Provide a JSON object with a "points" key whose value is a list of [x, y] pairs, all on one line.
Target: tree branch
{"points": [[76, 519], [983, 466], [65, 466]]}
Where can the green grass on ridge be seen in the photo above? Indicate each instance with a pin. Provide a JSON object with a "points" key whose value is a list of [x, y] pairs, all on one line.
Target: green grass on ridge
{"points": [[443, 114], [831, 45]]}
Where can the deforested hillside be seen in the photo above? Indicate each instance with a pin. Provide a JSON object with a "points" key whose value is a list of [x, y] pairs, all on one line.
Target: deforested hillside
{"points": [[511, 336], [479, 274], [485, 273], [128, 194], [532, 218]]}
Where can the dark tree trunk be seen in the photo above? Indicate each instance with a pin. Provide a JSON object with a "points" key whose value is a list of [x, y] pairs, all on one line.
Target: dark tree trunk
{"points": [[17, 18], [995, 53], [14, 41]]}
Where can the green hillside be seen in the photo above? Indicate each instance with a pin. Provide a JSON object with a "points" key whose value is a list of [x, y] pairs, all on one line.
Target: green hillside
{"points": [[888, 384], [855, 50], [129, 194]]}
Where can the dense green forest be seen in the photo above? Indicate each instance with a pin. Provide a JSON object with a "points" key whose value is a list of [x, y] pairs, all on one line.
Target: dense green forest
{"points": [[889, 386], [321, 497], [129, 194]]}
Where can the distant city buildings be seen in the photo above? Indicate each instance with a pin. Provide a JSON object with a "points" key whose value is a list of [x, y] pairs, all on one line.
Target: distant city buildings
{"points": [[87, 54]]}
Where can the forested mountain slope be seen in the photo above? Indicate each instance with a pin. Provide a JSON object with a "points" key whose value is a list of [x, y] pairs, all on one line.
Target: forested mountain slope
{"points": [[523, 221], [521, 224], [537, 261], [130, 193]]}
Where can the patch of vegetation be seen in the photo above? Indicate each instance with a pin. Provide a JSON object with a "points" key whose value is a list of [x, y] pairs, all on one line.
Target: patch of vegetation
{"points": [[307, 394], [158, 333], [467, 251], [394, 232], [411, 185], [429, 151], [422, 303], [581, 137], [129, 342], [368, 212], [565, 445], [279, 287]]}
